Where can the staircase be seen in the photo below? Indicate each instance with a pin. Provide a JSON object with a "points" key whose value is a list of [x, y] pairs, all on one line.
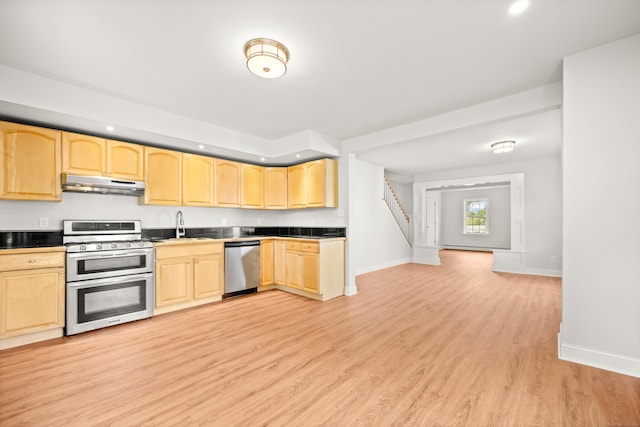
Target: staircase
{"points": [[396, 209]]}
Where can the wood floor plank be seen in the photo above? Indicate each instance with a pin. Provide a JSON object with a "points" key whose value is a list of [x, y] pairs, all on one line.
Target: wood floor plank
{"points": [[449, 345]]}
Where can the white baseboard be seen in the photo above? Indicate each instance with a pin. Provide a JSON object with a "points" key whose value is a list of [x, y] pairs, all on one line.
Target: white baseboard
{"points": [[597, 359], [543, 272], [506, 261], [382, 265], [350, 291]]}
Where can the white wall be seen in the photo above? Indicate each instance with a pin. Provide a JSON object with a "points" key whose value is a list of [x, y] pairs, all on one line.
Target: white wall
{"points": [[25, 215], [601, 151], [498, 218], [377, 239], [543, 207]]}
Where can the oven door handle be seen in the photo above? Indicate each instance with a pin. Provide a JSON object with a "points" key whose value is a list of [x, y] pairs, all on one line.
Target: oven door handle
{"points": [[92, 283], [122, 253]]}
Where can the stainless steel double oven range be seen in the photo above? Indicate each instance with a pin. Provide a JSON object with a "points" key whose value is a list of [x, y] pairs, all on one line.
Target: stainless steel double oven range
{"points": [[110, 274]]}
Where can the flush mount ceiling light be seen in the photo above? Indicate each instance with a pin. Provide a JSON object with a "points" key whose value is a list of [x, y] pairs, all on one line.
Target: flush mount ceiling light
{"points": [[519, 7], [503, 146], [266, 58]]}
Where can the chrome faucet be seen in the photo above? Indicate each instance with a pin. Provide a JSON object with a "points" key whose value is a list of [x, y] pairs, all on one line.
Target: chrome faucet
{"points": [[180, 232]]}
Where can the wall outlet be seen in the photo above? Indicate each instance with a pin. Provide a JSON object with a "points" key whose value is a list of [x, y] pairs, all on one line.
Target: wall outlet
{"points": [[44, 222], [553, 259], [259, 221], [224, 221]]}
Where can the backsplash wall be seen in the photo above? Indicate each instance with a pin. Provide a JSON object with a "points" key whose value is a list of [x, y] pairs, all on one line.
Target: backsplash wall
{"points": [[26, 215]]}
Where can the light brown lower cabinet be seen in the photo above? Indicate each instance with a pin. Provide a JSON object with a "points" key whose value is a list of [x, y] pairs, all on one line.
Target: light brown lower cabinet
{"points": [[188, 274], [314, 268], [279, 254], [267, 265], [32, 295], [293, 265]]}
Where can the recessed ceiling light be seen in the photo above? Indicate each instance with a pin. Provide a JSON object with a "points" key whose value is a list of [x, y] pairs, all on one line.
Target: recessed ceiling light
{"points": [[110, 128], [519, 7], [201, 147], [297, 156], [262, 159], [502, 146]]}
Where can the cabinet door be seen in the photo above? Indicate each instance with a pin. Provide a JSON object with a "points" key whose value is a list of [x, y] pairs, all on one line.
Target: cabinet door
{"points": [[310, 278], [174, 281], [267, 263], [125, 160], [275, 188], [279, 273], [163, 173], [197, 180], [296, 187], [31, 163], [293, 269], [31, 301], [208, 275], [83, 154], [227, 183], [252, 186], [315, 183]]}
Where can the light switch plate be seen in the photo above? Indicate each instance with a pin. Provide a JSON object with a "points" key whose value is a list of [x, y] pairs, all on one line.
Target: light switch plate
{"points": [[44, 222]]}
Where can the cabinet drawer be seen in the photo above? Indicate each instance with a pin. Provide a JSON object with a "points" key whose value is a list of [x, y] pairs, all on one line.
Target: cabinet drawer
{"points": [[311, 247], [182, 250], [31, 260], [293, 246]]}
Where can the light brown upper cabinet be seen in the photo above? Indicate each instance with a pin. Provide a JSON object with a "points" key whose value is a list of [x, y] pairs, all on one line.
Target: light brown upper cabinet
{"points": [[227, 178], [296, 182], [31, 164], [163, 174], [90, 155], [275, 188], [252, 186], [313, 184], [197, 180], [125, 160]]}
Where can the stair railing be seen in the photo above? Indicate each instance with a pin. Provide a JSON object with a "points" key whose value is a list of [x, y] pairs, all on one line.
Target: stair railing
{"points": [[396, 209]]}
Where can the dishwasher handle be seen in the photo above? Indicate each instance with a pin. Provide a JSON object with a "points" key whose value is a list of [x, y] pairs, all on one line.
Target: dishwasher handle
{"points": [[242, 243]]}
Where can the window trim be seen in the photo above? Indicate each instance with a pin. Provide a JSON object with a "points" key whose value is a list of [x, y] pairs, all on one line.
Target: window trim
{"points": [[464, 216]]}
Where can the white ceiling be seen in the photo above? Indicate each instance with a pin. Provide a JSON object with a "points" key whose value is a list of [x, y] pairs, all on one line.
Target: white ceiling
{"points": [[356, 67]]}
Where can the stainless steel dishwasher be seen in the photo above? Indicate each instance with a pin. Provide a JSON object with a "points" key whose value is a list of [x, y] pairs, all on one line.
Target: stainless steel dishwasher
{"points": [[241, 267]]}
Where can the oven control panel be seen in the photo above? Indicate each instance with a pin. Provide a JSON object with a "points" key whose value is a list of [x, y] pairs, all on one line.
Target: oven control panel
{"points": [[107, 246]]}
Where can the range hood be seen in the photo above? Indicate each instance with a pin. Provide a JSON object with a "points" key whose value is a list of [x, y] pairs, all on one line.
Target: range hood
{"points": [[102, 185]]}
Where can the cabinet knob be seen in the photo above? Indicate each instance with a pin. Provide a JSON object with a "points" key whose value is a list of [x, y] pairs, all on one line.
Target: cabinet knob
{"points": [[32, 261]]}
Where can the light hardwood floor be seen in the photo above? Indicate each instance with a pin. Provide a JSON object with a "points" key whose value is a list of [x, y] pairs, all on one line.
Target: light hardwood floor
{"points": [[419, 345]]}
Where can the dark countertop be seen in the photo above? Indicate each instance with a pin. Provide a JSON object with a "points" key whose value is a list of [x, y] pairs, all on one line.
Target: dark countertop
{"points": [[160, 234], [30, 239], [43, 239]]}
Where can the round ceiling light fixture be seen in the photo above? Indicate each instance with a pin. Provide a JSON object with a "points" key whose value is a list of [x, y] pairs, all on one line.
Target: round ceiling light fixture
{"points": [[519, 7], [266, 58], [503, 146]]}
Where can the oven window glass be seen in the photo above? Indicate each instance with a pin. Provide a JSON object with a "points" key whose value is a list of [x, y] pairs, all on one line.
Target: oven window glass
{"points": [[117, 263], [105, 301]]}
